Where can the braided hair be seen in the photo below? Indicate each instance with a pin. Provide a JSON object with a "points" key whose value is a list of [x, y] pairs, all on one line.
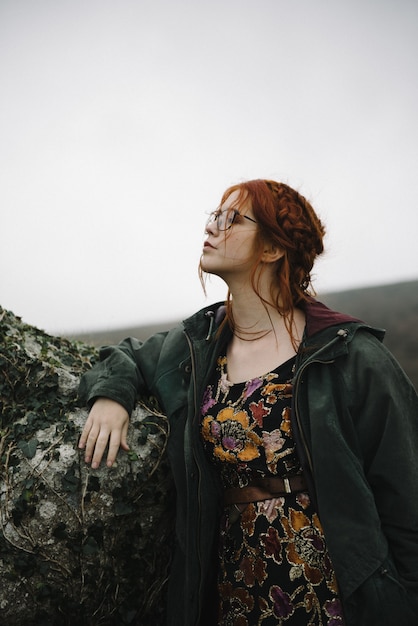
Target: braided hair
{"points": [[286, 221]]}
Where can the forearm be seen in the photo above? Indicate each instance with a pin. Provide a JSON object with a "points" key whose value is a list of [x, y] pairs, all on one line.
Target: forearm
{"points": [[115, 376]]}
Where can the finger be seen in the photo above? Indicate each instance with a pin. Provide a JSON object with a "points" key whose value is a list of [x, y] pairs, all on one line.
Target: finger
{"points": [[98, 449], [90, 443], [124, 437], [85, 433], [114, 445]]}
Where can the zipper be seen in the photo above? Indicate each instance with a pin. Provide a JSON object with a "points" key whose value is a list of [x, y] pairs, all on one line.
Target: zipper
{"points": [[341, 334], [297, 414], [195, 413], [209, 315]]}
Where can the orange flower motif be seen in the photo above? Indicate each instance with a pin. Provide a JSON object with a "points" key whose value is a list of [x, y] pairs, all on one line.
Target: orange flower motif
{"points": [[306, 546], [286, 425], [272, 391], [231, 435]]}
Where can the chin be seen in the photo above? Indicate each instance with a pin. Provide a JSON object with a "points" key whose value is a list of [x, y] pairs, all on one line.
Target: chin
{"points": [[205, 264], [210, 270]]}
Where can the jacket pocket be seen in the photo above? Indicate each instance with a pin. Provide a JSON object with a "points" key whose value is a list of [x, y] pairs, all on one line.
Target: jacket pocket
{"points": [[381, 599]]}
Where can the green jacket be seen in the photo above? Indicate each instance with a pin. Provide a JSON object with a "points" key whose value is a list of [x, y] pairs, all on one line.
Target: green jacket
{"points": [[355, 422]]}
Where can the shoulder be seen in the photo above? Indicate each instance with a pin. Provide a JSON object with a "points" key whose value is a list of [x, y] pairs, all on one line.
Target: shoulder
{"points": [[371, 367]]}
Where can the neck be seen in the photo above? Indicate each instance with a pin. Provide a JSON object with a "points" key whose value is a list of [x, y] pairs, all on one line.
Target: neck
{"points": [[251, 314], [254, 319], [261, 339]]}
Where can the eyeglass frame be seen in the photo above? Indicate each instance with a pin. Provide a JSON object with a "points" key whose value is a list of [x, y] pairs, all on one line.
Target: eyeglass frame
{"points": [[213, 218]]}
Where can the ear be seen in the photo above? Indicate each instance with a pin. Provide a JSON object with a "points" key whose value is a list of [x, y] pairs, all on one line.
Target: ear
{"points": [[271, 254]]}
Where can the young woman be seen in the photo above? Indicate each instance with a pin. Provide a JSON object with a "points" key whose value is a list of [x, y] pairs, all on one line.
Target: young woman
{"points": [[293, 442]]}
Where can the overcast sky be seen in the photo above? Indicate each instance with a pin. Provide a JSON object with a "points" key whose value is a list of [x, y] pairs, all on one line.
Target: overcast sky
{"points": [[123, 121]]}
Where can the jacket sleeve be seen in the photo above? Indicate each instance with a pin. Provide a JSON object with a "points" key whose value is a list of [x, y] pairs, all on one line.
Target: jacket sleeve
{"points": [[386, 419], [120, 373]]}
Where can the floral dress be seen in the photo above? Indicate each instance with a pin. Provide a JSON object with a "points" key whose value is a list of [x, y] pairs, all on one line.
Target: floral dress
{"points": [[274, 564]]}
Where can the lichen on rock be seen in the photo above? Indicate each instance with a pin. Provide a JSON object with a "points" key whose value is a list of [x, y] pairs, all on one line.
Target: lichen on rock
{"points": [[77, 546]]}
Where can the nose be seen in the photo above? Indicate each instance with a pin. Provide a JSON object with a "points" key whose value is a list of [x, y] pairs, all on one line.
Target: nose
{"points": [[211, 228]]}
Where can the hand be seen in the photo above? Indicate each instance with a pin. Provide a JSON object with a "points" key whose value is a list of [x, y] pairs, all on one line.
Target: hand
{"points": [[107, 423]]}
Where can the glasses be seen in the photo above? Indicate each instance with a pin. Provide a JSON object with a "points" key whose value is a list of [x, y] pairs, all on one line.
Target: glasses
{"points": [[224, 219]]}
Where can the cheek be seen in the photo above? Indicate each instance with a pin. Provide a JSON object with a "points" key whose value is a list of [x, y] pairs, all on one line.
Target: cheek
{"points": [[242, 251], [246, 246]]}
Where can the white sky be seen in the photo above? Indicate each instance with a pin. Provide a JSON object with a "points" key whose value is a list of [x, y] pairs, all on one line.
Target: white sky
{"points": [[123, 121]]}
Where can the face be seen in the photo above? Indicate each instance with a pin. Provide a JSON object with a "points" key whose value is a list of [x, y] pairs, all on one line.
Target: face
{"points": [[228, 253]]}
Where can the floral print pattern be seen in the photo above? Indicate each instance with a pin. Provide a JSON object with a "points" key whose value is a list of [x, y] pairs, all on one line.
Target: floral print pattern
{"points": [[274, 564], [231, 436]]}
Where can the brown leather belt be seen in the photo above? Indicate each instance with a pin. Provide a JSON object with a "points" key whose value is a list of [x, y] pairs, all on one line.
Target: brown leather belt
{"points": [[264, 489]]}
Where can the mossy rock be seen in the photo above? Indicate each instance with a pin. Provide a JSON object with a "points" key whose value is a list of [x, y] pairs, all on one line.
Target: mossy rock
{"points": [[77, 546]]}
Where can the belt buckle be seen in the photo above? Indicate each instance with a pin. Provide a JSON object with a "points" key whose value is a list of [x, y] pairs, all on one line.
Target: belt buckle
{"points": [[287, 486]]}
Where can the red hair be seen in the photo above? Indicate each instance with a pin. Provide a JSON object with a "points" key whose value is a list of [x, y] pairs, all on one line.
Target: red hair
{"points": [[287, 221]]}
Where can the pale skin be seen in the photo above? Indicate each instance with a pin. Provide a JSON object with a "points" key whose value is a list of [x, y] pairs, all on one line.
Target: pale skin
{"points": [[229, 256]]}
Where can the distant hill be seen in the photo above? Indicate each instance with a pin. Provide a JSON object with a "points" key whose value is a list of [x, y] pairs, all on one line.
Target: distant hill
{"points": [[393, 307]]}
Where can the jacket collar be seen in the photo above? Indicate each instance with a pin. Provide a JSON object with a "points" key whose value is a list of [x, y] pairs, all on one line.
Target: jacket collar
{"points": [[322, 323], [319, 317], [328, 333]]}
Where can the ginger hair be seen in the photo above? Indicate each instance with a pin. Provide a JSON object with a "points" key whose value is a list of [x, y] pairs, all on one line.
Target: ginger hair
{"points": [[287, 221]]}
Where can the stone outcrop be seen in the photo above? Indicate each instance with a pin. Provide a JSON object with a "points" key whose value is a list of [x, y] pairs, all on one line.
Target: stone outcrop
{"points": [[77, 546]]}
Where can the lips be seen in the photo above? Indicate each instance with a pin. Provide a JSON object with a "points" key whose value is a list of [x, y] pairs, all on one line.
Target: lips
{"points": [[207, 245]]}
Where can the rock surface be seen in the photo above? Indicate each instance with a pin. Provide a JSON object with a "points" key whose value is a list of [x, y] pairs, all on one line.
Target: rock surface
{"points": [[77, 546]]}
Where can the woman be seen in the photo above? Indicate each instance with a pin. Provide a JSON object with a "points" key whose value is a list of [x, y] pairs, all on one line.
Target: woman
{"points": [[294, 436]]}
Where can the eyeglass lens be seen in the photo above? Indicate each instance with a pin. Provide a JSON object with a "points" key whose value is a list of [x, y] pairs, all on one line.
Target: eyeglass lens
{"points": [[224, 219]]}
